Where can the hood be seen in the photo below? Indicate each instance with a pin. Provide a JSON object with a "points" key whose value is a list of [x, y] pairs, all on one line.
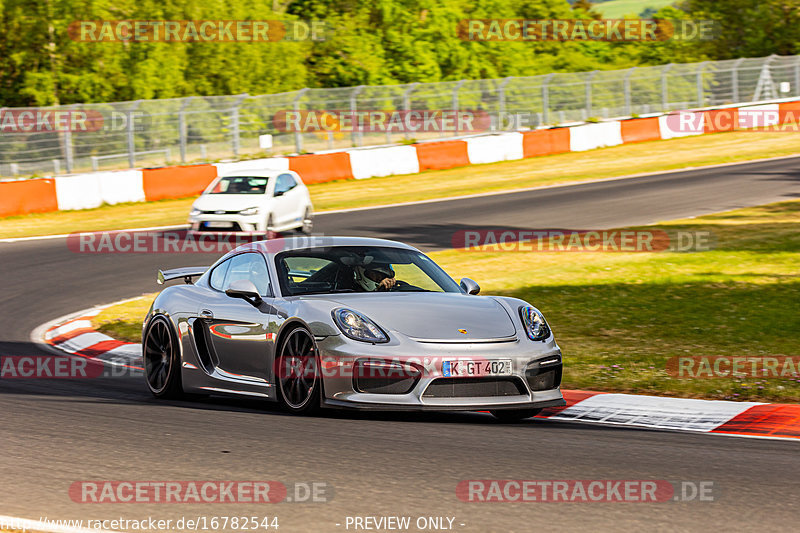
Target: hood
{"points": [[229, 202], [434, 316]]}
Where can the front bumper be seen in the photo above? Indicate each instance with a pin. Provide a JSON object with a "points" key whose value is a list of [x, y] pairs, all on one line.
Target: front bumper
{"points": [[236, 222], [472, 407], [529, 362]]}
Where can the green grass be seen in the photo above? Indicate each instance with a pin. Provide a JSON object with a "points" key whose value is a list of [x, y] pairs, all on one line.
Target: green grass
{"points": [[655, 156], [619, 317], [124, 320], [616, 9]]}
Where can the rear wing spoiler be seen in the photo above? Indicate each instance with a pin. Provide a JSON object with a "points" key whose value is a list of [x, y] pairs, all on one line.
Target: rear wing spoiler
{"points": [[187, 273]]}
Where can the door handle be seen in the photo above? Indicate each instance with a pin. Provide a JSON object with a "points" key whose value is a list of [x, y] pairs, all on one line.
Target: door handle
{"points": [[206, 313]]}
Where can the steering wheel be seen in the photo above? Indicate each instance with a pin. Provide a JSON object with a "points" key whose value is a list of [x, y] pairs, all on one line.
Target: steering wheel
{"points": [[399, 283]]}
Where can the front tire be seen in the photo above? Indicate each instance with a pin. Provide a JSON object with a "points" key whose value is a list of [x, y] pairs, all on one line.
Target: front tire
{"points": [[269, 228], [308, 221], [161, 359], [514, 415], [297, 373]]}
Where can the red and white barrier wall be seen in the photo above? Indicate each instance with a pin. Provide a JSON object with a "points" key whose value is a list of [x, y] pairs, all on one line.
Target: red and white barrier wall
{"points": [[92, 190]]}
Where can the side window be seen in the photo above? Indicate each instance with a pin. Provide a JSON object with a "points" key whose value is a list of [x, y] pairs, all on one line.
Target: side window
{"points": [[249, 266], [284, 183], [217, 279]]}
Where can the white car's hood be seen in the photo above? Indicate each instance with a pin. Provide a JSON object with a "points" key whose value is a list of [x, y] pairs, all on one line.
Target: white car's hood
{"points": [[229, 202]]}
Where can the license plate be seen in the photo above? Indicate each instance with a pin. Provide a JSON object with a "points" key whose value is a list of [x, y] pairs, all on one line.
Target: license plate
{"points": [[218, 224], [472, 368]]}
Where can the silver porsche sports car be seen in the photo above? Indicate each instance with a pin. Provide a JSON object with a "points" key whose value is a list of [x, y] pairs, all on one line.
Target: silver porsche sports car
{"points": [[347, 322]]}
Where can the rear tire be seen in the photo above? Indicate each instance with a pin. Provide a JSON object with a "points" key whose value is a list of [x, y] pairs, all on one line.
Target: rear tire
{"points": [[514, 415], [162, 369], [297, 373]]}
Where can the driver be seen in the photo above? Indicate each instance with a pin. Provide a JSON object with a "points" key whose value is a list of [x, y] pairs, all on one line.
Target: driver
{"points": [[375, 277]]}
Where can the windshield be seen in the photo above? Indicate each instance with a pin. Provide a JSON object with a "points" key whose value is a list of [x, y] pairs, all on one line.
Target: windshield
{"points": [[240, 185], [344, 269]]}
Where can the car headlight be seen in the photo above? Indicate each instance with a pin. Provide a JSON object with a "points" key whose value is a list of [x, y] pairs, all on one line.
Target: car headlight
{"points": [[535, 325], [194, 212], [357, 326], [249, 211]]}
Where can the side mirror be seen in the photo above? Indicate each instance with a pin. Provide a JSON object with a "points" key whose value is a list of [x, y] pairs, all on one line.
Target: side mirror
{"points": [[244, 288], [278, 193], [469, 286]]}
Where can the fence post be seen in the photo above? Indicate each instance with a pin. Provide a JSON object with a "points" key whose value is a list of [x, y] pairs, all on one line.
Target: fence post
{"points": [[589, 93], [459, 83], [501, 100], [546, 98], [68, 159], [700, 94], [236, 133], [407, 104], [131, 143], [665, 88], [298, 136], [627, 90], [356, 134], [735, 80], [182, 133], [797, 75]]}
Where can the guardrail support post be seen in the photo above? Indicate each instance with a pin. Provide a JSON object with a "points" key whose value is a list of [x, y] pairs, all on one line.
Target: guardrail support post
{"points": [[797, 76], [235, 130], [546, 98], [182, 133], [356, 135], [627, 91], [131, 143], [589, 93], [665, 88], [501, 102], [735, 80], [459, 83], [298, 136], [700, 94], [407, 105], [68, 159]]}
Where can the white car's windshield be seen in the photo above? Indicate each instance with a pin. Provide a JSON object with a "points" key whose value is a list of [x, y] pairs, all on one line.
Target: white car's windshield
{"points": [[240, 185], [360, 269]]}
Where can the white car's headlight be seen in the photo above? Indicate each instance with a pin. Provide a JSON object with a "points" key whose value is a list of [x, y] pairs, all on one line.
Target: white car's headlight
{"points": [[357, 326], [535, 325], [194, 212], [249, 211]]}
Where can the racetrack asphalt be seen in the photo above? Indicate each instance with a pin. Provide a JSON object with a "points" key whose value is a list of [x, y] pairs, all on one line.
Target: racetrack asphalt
{"points": [[55, 432]]}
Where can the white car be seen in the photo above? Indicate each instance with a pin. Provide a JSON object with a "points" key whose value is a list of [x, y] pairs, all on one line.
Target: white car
{"points": [[261, 201]]}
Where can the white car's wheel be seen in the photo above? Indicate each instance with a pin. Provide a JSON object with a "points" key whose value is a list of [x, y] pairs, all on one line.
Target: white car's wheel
{"points": [[308, 221], [269, 228]]}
